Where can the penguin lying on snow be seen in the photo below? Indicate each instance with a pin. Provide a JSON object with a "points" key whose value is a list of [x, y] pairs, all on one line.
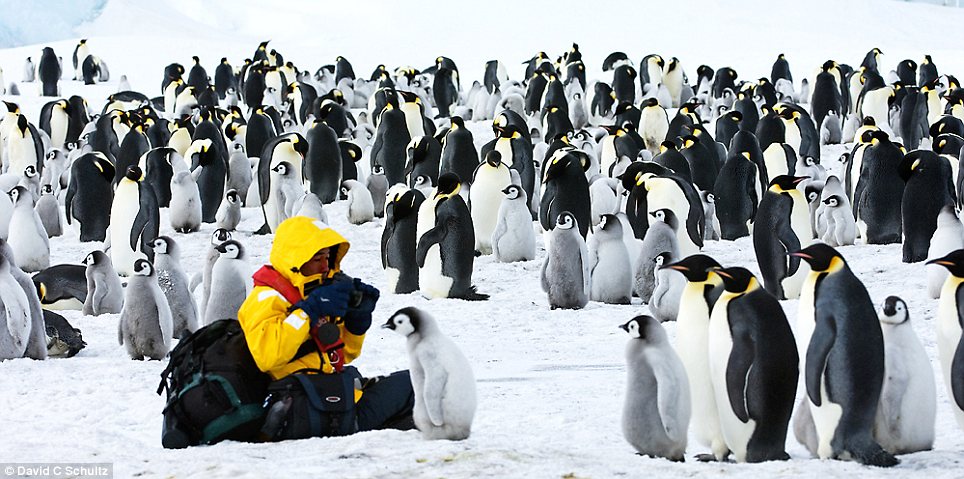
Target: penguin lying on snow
{"points": [[62, 338]]}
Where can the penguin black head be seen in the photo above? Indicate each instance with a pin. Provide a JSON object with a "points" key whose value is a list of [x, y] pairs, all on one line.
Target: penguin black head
{"points": [[161, 245], [493, 158], [954, 262], [143, 267], [667, 146], [457, 122], [832, 201], [512, 192], [646, 328], [95, 257], [405, 321], [219, 236], [134, 173], [18, 193], [378, 170], [785, 183], [231, 196], [230, 249], [609, 222], [566, 221], [650, 102], [696, 268], [46, 190], [738, 280], [423, 181], [449, 184], [282, 168], [894, 311], [30, 171], [667, 216], [821, 257], [663, 258]]}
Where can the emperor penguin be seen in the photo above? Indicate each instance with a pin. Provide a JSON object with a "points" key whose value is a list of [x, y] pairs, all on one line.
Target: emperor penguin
{"points": [[49, 71], [145, 326], [840, 227], [737, 195], [29, 71], [667, 289], [653, 125], [949, 335], [703, 287], [908, 399], [514, 238], [459, 155], [754, 368], [105, 295], [185, 206], [286, 188], [361, 206], [604, 197], [81, 52], [948, 237], [48, 210], [209, 169], [836, 331], [399, 241], [377, 185], [16, 324], [239, 167], [782, 226], [660, 237], [229, 213], [290, 148], [611, 273], [683, 199], [490, 178], [444, 250], [219, 236], [565, 272], [442, 377], [175, 286], [310, 205], [928, 189], [230, 283], [27, 236], [134, 222], [656, 411]]}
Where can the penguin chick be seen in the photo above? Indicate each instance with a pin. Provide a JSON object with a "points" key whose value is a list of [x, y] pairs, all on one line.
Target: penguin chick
{"points": [[361, 207], [145, 325], [105, 295]]}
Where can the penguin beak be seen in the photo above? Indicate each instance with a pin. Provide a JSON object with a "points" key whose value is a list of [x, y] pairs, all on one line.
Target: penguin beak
{"points": [[624, 327], [800, 254], [388, 324], [798, 179], [676, 267], [940, 261], [723, 274]]}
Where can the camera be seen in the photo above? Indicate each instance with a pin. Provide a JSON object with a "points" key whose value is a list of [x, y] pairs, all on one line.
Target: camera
{"points": [[355, 297]]}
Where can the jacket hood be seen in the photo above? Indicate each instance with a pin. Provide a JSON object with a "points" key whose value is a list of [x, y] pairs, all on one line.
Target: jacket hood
{"points": [[296, 240]]}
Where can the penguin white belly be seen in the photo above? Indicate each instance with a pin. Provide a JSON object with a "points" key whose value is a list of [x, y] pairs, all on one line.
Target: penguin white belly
{"points": [[736, 433], [875, 106], [58, 127], [653, 127], [613, 275], [65, 304], [504, 147], [692, 339], [518, 242], [826, 417], [856, 162], [674, 83], [948, 337], [791, 137], [955, 166], [934, 108], [391, 277], [608, 155], [775, 159], [943, 242], [413, 120], [431, 281], [800, 223], [806, 318], [122, 214], [486, 199], [22, 153]]}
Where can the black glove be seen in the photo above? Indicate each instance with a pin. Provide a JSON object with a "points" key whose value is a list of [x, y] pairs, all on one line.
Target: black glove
{"points": [[330, 300], [370, 295]]}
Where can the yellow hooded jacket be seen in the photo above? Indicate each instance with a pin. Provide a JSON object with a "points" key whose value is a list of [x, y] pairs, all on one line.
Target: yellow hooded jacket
{"points": [[273, 335]]}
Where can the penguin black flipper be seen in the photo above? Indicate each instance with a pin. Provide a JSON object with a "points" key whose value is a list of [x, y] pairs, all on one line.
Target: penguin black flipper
{"points": [[957, 367], [738, 369], [822, 340], [427, 240], [145, 227]]}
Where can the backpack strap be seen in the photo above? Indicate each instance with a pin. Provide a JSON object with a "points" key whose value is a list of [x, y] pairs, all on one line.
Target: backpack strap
{"points": [[268, 276]]}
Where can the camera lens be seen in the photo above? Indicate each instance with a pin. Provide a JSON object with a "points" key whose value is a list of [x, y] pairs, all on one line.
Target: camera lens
{"points": [[355, 299]]}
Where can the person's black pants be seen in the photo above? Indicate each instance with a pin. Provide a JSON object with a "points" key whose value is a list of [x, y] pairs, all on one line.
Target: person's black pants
{"points": [[387, 403]]}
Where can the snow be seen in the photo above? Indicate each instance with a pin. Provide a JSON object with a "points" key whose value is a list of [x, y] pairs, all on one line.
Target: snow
{"points": [[550, 382]]}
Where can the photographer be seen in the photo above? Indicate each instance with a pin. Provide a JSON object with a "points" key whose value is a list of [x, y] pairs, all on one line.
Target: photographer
{"points": [[304, 322]]}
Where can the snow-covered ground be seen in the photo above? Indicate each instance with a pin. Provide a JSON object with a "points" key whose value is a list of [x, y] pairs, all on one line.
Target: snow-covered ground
{"points": [[550, 383]]}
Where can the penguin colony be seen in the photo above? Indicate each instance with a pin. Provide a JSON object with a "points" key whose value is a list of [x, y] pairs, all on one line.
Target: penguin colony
{"points": [[625, 177]]}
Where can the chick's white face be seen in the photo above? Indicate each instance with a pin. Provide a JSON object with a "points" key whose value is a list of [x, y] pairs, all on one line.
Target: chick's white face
{"points": [[160, 246], [633, 329], [402, 324]]}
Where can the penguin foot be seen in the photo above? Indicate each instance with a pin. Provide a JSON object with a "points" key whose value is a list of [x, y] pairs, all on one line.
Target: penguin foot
{"points": [[705, 458], [478, 253], [472, 295], [264, 230], [877, 457]]}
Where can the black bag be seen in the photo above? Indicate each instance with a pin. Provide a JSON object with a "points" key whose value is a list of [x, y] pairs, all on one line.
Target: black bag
{"points": [[306, 405], [215, 391]]}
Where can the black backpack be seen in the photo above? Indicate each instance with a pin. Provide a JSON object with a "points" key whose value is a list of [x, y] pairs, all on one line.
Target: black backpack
{"points": [[215, 391]]}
